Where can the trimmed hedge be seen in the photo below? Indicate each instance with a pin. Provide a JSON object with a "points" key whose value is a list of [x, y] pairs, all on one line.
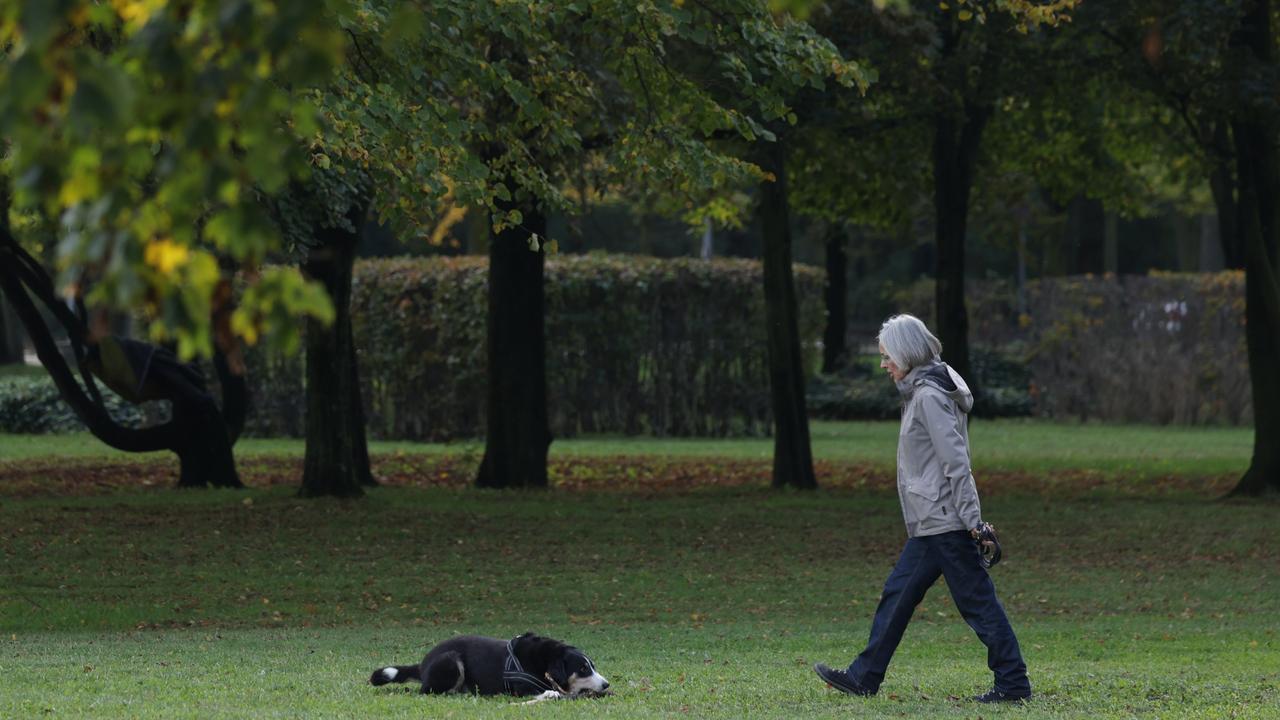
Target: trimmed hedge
{"points": [[864, 392], [634, 345], [1160, 348]]}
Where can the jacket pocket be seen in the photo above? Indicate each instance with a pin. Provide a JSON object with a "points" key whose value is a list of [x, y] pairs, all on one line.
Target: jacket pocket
{"points": [[924, 489], [919, 502]]}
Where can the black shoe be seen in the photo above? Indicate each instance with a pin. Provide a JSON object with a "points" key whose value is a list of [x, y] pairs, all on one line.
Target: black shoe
{"points": [[996, 696], [840, 680]]}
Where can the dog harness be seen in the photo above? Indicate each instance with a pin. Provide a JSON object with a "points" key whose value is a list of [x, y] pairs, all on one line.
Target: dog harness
{"points": [[514, 676]]}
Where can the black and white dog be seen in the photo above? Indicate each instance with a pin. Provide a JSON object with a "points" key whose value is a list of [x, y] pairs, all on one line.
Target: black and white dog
{"points": [[524, 665]]}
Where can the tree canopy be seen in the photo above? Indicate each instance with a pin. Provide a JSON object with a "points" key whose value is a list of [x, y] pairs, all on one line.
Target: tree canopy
{"points": [[144, 133]]}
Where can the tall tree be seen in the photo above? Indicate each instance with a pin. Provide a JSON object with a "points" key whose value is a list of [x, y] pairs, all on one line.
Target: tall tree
{"points": [[199, 432], [792, 453], [550, 90], [1254, 128], [946, 69], [1212, 67], [518, 432], [139, 131], [779, 76]]}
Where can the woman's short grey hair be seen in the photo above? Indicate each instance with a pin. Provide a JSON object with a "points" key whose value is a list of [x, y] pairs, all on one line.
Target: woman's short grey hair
{"points": [[907, 342]]}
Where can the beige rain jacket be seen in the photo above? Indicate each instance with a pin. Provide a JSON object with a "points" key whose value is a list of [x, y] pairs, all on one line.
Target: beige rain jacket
{"points": [[935, 484]]}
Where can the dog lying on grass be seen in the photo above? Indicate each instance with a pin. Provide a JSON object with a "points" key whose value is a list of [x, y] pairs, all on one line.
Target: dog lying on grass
{"points": [[522, 666]]}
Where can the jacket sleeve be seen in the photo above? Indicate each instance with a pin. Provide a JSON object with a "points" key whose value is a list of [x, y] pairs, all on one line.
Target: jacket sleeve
{"points": [[952, 452]]}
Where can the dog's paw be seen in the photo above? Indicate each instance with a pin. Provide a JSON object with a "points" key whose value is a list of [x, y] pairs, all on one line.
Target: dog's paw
{"points": [[547, 695]]}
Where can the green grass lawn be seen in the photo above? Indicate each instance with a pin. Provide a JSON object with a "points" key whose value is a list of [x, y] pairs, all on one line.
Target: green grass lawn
{"points": [[1016, 445], [695, 602]]}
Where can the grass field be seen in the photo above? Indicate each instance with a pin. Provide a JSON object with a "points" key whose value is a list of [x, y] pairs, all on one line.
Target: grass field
{"points": [[695, 600], [1016, 445]]}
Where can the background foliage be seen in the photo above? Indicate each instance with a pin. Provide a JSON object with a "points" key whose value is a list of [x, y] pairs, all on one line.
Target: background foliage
{"points": [[634, 345], [32, 405], [145, 131], [1160, 348]]}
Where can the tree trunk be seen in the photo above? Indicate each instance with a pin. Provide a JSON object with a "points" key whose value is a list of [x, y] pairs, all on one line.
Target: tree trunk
{"points": [[1222, 184], [515, 449], [204, 446], [1258, 172], [337, 461], [792, 454], [10, 336], [836, 294], [955, 151], [1086, 236], [198, 433]]}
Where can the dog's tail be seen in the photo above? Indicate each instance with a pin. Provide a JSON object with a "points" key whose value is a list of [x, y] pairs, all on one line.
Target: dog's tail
{"points": [[396, 673]]}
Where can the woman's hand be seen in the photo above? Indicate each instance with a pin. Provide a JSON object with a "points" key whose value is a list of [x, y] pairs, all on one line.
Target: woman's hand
{"points": [[988, 543]]}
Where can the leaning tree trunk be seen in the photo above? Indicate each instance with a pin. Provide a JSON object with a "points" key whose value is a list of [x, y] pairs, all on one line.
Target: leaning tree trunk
{"points": [[518, 435], [337, 459], [836, 296], [792, 454], [1258, 174], [10, 336], [200, 433], [955, 151]]}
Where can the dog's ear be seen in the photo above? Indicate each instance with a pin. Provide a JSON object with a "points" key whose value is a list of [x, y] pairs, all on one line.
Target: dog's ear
{"points": [[559, 672]]}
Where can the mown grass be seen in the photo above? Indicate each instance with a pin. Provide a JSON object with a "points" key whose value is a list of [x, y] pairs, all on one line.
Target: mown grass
{"points": [[700, 602], [1008, 445]]}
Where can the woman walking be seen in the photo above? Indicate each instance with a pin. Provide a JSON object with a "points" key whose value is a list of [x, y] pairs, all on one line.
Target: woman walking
{"points": [[943, 518]]}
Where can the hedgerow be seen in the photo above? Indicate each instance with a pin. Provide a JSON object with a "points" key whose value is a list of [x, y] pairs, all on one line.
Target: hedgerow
{"points": [[634, 345]]}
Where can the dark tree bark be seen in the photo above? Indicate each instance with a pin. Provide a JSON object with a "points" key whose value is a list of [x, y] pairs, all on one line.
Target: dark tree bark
{"points": [[836, 295], [10, 336], [792, 454], [337, 458], [1258, 174], [361, 449], [200, 433], [1222, 184], [519, 434], [955, 152], [1086, 235], [204, 443]]}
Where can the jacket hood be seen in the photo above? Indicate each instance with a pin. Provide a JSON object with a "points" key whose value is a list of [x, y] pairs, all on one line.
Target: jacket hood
{"points": [[939, 375]]}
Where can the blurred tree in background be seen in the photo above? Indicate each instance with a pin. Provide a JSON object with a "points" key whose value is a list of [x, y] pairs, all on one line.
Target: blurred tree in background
{"points": [[137, 138]]}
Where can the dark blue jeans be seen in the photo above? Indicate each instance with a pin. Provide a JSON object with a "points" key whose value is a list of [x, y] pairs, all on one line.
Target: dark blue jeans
{"points": [[954, 556]]}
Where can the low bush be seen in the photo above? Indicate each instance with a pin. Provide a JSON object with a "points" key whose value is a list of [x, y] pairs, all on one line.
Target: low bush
{"points": [[32, 405], [863, 391]]}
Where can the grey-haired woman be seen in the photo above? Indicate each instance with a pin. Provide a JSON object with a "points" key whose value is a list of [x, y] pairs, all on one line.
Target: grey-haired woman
{"points": [[943, 518]]}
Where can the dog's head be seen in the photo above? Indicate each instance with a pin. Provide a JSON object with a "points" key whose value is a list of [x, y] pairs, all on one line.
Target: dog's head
{"points": [[575, 672], [566, 665]]}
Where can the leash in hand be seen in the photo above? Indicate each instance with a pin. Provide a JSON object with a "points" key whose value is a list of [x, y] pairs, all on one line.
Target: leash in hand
{"points": [[988, 545]]}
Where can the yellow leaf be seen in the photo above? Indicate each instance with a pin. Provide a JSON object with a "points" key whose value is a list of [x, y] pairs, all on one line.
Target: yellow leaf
{"points": [[966, 15], [165, 255], [137, 12]]}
